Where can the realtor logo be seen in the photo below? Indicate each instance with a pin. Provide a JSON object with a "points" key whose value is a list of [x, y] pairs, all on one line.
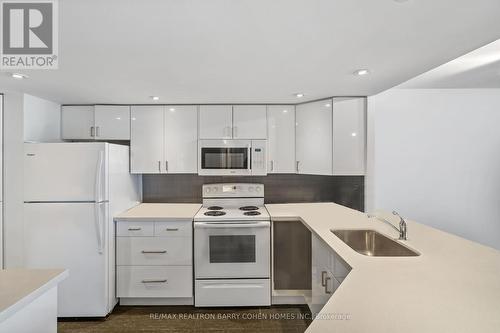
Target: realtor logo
{"points": [[29, 34]]}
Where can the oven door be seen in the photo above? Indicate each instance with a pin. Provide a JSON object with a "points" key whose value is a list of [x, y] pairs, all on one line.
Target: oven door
{"points": [[232, 249], [225, 157]]}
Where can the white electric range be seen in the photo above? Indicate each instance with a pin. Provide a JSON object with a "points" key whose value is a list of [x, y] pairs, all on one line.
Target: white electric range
{"points": [[232, 247]]}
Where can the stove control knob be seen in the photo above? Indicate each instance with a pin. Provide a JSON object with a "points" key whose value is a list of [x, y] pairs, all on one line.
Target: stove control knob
{"points": [[214, 189], [250, 189], [258, 189], [207, 189]]}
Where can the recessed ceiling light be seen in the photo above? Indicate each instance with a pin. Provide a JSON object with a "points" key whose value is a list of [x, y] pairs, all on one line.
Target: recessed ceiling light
{"points": [[19, 76], [299, 95], [285, 111], [154, 98], [171, 109], [327, 105], [354, 134], [361, 72]]}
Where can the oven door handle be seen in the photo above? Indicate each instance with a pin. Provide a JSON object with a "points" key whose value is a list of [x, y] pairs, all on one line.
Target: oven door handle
{"points": [[210, 225]]}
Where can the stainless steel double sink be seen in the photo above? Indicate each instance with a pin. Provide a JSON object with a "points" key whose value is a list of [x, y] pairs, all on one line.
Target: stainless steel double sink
{"points": [[372, 243]]}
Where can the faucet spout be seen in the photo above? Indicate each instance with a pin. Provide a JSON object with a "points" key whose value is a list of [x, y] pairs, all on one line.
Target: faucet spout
{"points": [[403, 229]]}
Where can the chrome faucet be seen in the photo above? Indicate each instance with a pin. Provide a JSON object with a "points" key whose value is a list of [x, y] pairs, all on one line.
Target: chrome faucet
{"points": [[403, 231]]}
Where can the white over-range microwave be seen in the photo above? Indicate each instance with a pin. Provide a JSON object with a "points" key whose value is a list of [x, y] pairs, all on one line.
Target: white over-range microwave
{"points": [[232, 157]]}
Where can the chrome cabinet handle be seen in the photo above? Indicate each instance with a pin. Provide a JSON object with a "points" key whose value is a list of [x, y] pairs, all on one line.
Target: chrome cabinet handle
{"points": [[159, 166], [134, 228], [297, 167], [97, 131], [92, 131], [323, 277], [159, 252], [172, 229], [272, 165], [326, 285], [154, 281], [166, 166]]}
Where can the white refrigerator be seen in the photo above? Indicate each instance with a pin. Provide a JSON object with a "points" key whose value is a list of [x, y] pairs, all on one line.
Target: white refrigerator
{"points": [[71, 193]]}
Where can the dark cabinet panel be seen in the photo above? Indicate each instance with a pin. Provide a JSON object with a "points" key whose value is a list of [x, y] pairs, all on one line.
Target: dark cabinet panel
{"points": [[292, 256]]}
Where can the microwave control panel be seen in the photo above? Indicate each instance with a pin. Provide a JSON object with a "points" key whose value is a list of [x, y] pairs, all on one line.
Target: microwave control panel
{"points": [[259, 161]]}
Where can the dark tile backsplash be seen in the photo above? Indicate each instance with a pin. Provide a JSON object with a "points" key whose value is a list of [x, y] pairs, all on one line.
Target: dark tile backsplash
{"points": [[279, 188]]}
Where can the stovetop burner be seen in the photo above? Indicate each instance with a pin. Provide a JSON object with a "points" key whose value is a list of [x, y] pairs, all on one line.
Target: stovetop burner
{"points": [[215, 213], [249, 208], [214, 208], [251, 213]]}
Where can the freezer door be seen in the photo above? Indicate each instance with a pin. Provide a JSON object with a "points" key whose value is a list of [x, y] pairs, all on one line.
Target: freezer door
{"points": [[65, 172], [71, 236]]}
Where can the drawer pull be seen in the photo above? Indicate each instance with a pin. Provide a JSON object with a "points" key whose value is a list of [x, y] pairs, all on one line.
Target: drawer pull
{"points": [[134, 229], [172, 229], [154, 281], [323, 276], [327, 279], [162, 251]]}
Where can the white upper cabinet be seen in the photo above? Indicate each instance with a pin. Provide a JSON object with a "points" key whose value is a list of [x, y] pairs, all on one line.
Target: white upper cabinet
{"points": [[181, 139], [216, 121], [314, 138], [112, 122], [164, 139], [77, 122], [249, 122], [100, 122], [281, 138], [146, 141], [349, 140]]}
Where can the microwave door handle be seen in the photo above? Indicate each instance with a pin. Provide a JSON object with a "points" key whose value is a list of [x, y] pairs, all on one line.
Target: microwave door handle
{"points": [[249, 158]]}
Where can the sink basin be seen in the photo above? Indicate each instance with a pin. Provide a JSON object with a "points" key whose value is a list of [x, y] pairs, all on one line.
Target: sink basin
{"points": [[373, 243]]}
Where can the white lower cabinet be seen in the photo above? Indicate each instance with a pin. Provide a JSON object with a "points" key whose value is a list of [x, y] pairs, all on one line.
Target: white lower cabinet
{"points": [[154, 260], [157, 281], [328, 272]]}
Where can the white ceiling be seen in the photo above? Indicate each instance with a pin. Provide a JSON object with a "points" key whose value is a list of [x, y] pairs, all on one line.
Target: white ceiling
{"points": [[251, 51], [477, 69]]}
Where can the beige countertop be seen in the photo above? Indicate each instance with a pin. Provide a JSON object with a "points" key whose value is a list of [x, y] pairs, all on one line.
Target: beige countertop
{"points": [[453, 286], [19, 287], [160, 212]]}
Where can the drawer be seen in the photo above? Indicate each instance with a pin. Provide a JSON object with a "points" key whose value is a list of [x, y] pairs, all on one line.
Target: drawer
{"points": [[132, 228], [154, 251], [155, 281], [177, 228], [235, 292]]}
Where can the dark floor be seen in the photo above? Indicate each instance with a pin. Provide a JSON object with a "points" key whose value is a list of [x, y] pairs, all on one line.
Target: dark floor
{"points": [[149, 319]]}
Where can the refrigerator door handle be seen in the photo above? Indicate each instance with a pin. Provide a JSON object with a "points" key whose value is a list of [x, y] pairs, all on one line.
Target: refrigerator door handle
{"points": [[99, 228], [98, 177]]}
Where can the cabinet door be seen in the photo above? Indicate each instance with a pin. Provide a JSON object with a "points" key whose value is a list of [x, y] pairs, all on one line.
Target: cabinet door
{"points": [[249, 122], [314, 138], [77, 122], [112, 122], [216, 121], [321, 275], [281, 138], [349, 136], [181, 139], [146, 139], [291, 256]]}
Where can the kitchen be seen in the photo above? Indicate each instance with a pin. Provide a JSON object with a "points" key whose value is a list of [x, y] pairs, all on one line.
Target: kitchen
{"points": [[206, 190]]}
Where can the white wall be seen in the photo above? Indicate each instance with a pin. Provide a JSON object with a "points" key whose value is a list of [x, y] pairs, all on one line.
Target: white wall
{"points": [[13, 179], [434, 156], [42, 120]]}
